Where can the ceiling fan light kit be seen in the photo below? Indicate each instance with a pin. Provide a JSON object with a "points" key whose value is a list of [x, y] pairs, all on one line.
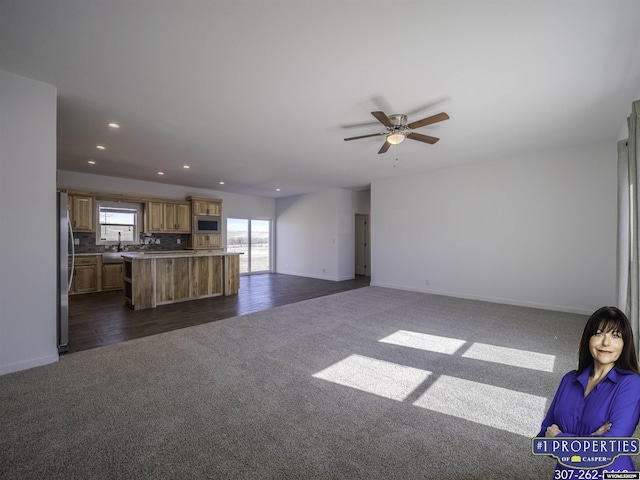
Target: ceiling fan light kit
{"points": [[398, 129], [395, 138]]}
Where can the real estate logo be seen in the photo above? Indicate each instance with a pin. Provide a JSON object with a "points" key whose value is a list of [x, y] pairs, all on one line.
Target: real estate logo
{"points": [[588, 452]]}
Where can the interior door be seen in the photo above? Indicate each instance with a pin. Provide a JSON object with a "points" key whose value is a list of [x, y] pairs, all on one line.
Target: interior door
{"points": [[362, 244]]}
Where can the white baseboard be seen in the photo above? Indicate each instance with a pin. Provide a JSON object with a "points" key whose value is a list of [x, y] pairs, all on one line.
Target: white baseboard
{"points": [[504, 301], [319, 277], [36, 362]]}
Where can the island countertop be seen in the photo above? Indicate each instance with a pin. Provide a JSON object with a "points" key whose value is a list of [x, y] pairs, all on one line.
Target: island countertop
{"points": [[176, 253], [156, 278]]}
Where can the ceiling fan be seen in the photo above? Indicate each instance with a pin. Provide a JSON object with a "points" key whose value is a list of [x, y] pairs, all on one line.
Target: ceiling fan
{"points": [[398, 129]]}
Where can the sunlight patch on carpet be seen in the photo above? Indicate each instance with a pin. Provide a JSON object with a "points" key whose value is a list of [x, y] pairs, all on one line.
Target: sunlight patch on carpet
{"points": [[515, 412], [379, 377], [511, 356], [477, 351], [424, 341]]}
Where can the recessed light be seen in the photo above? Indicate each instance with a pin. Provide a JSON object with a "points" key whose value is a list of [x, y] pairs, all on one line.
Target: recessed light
{"points": [[101, 147], [160, 173], [113, 125], [277, 189], [186, 166], [221, 183], [91, 162]]}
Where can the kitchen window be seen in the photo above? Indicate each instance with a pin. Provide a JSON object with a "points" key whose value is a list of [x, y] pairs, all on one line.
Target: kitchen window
{"points": [[117, 222]]}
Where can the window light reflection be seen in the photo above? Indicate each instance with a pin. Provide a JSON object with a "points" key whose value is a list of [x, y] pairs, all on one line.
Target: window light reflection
{"points": [[379, 377]]}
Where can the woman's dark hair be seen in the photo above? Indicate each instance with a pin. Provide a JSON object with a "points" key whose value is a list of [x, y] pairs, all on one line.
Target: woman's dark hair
{"points": [[609, 319]]}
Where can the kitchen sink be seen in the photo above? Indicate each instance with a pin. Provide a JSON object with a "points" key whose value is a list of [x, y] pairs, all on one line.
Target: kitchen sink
{"points": [[112, 257]]}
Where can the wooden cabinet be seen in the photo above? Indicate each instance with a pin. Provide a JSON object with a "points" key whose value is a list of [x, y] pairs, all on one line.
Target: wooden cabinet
{"points": [[154, 217], [181, 216], [91, 275], [206, 240], [203, 206], [85, 275], [208, 207], [81, 209], [112, 276], [161, 217]]}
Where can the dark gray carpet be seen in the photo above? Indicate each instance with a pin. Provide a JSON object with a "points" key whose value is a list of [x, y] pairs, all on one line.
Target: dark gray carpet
{"points": [[236, 399]]}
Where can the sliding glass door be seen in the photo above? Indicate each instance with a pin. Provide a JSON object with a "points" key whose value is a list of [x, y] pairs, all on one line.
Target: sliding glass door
{"points": [[252, 238]]}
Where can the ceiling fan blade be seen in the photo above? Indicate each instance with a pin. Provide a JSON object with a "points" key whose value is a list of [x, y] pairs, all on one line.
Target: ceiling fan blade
{"points": [[422, 138], [383, 119], [429, 120], [385, 147], [365, 136]]}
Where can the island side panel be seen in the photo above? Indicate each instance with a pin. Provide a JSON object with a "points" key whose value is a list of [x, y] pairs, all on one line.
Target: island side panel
{"points": [[206, 276], [172, 280], [181, 279], [141, 284], [231, 274]]}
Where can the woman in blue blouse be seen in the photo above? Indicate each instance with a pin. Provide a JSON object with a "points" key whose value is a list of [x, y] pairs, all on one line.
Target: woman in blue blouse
{"points": [[601, 397]]}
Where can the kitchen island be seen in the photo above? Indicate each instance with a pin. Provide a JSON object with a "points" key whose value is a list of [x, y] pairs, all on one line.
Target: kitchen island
{"points": [[158, 278]]}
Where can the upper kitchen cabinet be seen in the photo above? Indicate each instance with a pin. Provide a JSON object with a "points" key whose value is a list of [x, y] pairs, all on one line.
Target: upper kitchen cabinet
{"points": [[165, 217], [183, 217], [206, 206], [82, 212], [154, 217]]}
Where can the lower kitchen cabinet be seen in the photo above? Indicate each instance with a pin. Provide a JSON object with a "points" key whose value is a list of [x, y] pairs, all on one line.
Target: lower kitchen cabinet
{"points": [[85, 275], [112, 276], [91, 275]]}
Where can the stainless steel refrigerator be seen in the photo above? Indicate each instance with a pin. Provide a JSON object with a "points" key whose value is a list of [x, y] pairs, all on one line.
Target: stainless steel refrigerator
{"points": [[65, 274]]}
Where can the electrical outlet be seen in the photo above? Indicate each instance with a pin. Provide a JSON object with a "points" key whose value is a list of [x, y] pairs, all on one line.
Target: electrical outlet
{"points": [[178, 241], [76, 241]]}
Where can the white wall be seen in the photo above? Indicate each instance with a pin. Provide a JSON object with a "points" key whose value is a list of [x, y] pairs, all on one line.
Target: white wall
{"points": [[535, 231], [316, 234], [28, 218]]}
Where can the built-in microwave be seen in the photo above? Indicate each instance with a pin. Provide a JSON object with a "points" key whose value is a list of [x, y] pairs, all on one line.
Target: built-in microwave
{"points": [[206, 224]]}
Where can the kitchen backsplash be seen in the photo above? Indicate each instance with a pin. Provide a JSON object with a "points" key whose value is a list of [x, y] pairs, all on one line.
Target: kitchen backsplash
{"points": [[168, 241]]}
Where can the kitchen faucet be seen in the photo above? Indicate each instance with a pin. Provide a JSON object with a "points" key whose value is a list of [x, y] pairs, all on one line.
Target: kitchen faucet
{"points": [[119, 241]]}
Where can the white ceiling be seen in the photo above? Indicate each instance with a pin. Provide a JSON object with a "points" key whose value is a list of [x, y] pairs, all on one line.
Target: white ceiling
{"points": [[258, 93]]}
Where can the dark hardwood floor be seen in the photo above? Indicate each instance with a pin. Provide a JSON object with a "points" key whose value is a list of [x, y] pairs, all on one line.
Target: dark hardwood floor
{"points": [[98, 319]]}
